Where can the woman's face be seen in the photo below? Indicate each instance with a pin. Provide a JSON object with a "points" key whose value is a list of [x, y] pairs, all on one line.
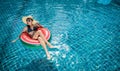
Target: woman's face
{"points": [[29, 22]]}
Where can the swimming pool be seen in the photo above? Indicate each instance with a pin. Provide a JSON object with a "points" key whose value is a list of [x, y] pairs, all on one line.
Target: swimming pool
{"points": [[86, 33]]}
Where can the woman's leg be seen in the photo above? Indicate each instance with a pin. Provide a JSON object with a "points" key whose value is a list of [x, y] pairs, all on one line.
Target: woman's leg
{"points": [[35, 36], [44, 46], [42, 36]]}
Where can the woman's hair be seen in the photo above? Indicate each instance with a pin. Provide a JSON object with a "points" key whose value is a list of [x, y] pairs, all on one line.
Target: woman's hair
{"points": [[28, 19]]}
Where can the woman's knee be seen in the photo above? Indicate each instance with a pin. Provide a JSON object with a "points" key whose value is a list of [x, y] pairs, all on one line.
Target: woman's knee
{"points": [[41, 40], [36, 35], [39, 32]]}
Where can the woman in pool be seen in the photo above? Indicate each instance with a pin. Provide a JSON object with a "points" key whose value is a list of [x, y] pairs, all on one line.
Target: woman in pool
{"points": [[31, 29]]}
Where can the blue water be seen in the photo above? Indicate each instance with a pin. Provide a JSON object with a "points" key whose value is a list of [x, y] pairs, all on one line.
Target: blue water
{"points": [[86, 33], [104, 2]]}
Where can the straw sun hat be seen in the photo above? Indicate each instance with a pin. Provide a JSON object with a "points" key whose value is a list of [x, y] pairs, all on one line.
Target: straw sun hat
{"points": [[25, 17]]}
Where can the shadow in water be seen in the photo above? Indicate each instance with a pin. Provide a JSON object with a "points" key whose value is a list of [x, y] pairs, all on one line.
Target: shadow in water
{"points": [[39, 65], [117, 2]]}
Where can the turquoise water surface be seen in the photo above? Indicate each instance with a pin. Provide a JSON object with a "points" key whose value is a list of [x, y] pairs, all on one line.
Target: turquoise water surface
{"points": [[86, 33]]}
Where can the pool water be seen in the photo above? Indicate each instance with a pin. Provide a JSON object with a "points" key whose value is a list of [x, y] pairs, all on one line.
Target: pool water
{"points": [[87, 35]]}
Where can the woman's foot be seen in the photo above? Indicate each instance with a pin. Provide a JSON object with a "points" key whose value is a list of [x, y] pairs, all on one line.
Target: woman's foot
{"points": [[48, 56], [51, 46]]}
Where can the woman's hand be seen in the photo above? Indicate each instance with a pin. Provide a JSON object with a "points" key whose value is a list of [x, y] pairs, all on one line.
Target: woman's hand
{"points": [[15, 40]]}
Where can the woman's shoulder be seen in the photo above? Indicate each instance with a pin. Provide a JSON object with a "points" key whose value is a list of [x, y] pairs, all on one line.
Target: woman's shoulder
{"points": [[26, 27]]}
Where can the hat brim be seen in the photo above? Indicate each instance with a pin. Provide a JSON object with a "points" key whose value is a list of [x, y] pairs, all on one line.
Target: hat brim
{"points": [[24, 19]]}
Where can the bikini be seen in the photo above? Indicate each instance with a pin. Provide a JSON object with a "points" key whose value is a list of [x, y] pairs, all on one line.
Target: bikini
{"points": [[30, 30]]}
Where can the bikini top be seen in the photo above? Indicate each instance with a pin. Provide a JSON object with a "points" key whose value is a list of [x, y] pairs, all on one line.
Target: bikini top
{"points": [[29, 29]]}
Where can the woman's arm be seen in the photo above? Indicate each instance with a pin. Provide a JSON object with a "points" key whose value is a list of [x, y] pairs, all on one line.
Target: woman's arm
{"points": [[24, 30], [38, 25]]}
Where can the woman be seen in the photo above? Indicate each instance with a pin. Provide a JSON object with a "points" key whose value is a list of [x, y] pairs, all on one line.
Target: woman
{"points": [[31, 29]]}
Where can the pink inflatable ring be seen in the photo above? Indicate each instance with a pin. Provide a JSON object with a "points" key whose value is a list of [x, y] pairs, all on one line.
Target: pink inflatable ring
{"points": [[27, 39]]}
